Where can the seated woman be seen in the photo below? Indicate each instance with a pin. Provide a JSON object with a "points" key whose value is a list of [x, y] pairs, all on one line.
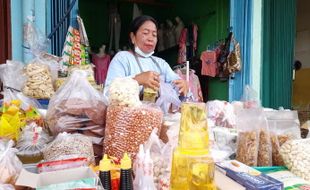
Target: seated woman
{"points": [[139, 62]]}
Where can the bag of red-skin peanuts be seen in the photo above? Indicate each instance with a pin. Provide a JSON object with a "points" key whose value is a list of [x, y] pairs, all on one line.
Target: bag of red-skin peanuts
{"points": [[128, 127]]}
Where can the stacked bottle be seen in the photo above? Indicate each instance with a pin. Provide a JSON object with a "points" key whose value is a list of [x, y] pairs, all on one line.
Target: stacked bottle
{"points": [[126, 182], [192, 167], [104, 172]]}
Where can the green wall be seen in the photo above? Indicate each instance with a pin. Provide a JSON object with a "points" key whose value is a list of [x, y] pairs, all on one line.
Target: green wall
{"points": [[211, 27]]}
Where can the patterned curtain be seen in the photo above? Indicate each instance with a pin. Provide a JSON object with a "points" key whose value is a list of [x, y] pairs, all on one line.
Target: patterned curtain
{"points": [[241, 15], [279, 20]]}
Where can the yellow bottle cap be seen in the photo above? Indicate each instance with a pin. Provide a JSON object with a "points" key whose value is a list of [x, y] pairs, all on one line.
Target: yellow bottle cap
{"points": [[125, 162], [105, 164]]}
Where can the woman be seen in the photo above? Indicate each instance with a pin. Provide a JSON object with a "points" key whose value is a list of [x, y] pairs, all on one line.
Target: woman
{"points": [[138, 63]]}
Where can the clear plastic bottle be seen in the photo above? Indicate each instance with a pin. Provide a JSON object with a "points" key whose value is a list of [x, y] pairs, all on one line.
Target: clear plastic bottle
{"points": [[148, 178]]}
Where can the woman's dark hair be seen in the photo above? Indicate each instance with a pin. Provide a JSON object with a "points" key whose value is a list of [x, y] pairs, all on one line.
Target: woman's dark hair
{"points": [[137, 23]]}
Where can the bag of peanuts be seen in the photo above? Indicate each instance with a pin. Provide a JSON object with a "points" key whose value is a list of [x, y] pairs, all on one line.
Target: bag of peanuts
{"points": [[128, 127], [284, 126], [248, 136], [296, 156], [77, 107], [66, 146]]}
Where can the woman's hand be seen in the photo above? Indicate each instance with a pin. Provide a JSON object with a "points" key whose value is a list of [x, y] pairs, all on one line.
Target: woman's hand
{"points": [[148, 79], [182, 85]]}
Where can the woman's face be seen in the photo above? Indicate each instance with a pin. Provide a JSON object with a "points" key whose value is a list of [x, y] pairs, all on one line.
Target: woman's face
{"points": [[146, 37]]}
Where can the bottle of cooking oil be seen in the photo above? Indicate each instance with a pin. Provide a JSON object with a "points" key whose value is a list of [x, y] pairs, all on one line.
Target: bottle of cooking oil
{"points": [[192, 167]]}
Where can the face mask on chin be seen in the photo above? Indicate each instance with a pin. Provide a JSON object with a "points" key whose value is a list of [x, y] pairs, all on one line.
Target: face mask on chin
{"points": [[141, 53]]}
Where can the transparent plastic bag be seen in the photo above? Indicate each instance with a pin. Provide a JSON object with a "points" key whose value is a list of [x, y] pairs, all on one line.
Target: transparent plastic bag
{"points": [[124, 92], [11, 74], [62, 164], [248, 136], [128, 127], [67, 146], [157, 151], [10, 165], [284, 126], [296, 156], [34, 39], [168, 97], [6, 187], [250, 98], [221, 113], [264, 157], [78, 108], [32, 141]]}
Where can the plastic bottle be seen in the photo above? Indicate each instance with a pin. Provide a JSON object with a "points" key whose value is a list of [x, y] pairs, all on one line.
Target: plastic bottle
{"points": [[126, 174], [138, 168], [148, 178], [104, 172]]}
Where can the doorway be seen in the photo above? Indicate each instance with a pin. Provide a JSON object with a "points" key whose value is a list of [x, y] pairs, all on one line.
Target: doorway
{"points": [[301, 85], [5, 34]]}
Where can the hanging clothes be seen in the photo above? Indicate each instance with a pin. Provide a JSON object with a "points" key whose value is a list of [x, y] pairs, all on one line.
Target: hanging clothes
{"points": [[101, 67], [114, 28], [194, 84], [182, 46], [188, 43], [209, 63]]}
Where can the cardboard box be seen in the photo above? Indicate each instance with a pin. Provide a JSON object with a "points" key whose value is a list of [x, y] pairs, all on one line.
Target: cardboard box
{"points": [[223, 182], [35, 180], [248, 177]]}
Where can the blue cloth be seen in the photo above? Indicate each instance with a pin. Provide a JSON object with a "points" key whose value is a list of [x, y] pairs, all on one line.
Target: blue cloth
{"points": [[124, 64]]}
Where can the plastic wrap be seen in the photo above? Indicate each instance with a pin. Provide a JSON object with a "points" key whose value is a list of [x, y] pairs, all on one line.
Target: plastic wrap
{"points": [[32, 141], [168, 97], [78, 108], [264, 157], [124, 92], [67, 146], [128, 127], [221, 113], [6, 187], [62, 164], [248, 136], [250, 98], [10, 165], [39, 82], [11, 74], [284, 126]]}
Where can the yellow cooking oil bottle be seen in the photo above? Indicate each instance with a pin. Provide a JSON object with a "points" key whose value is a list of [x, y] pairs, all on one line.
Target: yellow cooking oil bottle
{"points": [[192, 166]]}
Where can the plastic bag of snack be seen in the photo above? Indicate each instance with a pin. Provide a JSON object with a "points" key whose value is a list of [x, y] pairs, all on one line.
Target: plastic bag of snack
{"points": [[248, 136], [77, 107], [128, 127], [39, 82], [67, 146], [10, 165], [32, 141], [124, 92], [250, 98], [13, 79], [296, 156], [168, 97], [264, 157], [284, 126]]}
